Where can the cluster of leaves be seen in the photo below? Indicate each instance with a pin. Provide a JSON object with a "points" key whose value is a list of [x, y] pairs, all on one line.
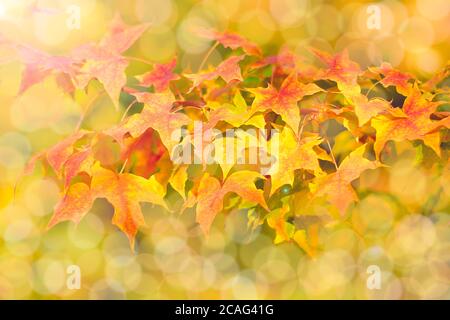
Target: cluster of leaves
{"points": [[247, 89]]}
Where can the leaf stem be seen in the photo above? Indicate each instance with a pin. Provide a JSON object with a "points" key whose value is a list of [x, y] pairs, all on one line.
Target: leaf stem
{"points": [[123, 166], [332, 155], [128, 109], [372, 87], [139, 60], [300, 130], [87, 109], [210, 51]]}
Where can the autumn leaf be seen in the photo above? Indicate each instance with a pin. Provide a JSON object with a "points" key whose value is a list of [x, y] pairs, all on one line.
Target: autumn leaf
{"points": [[80, 161], [39, 65], [286, 62], [228, 70], [157, 115], [436, 125], [132, 162], [293, 154], [178, 180], [125, 191], [57, 155], [141, 155], [74, 205], [160, 77], [277, 221], [236, 114], [415, 125], [393, 77], [104, 61], [283, 101], [341, 69], [211, 194], [366, 109], [432, 83], [230, 40], [336, 187], [308, 239]]}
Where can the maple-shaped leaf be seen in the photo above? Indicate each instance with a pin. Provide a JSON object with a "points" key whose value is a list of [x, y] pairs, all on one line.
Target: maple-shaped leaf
{"points": [[178, 180], [58, 154], [293, 154], [235, 114], [436, 125], [80, 161], [39, 65], [125, 191], [228, 70], [336, 187], [308, 239], [340, 69], [211, 194], [366, 109], [283, 101], [103, 61], [286, 62], [432, 83], [110, 71], [277, 221], [393, 77], [74, 205], [157, 115], [142, 154], [120, 36], [230, 40], [160, 77], [416, 124]]}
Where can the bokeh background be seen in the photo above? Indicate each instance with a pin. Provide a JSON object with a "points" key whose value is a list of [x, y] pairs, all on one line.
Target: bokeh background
{"points": [[173, 260]]}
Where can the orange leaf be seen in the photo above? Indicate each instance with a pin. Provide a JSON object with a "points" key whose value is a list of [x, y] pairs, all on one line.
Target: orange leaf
{"points": [[341, 70], [366, 109], [277, 220], [283, 101], [104, 62], [416, 124], [74, 205], [160, 77], [125, 191], [211, 194], [157, 115], [292, 155], [336, 187], [57, 155], [393, 77], [228, 70], [230, 40], [81, 161]]}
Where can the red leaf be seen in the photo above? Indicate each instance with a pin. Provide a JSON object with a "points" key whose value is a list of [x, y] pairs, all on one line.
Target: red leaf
{"points": [[160, 77], [230, 40]]}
